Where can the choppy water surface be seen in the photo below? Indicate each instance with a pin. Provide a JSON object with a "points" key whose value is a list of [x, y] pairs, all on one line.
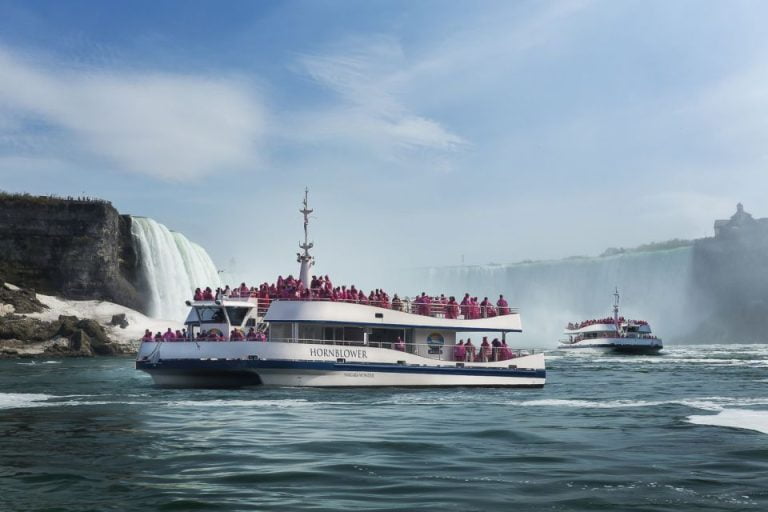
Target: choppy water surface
{"points": [[687, 430]]}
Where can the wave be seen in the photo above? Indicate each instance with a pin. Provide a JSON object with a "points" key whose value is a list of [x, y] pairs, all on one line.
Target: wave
{"points": [[23, 400], [712, 403], [280, 403], [746, 419]]}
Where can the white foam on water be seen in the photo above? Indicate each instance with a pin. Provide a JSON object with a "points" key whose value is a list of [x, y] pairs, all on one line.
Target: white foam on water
{"points": [[23, 400], [283, 403], [734, 418], [714, 403]]}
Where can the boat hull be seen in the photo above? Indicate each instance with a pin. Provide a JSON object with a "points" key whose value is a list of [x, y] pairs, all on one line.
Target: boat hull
{"points": [[385, 367], [616, 345]]}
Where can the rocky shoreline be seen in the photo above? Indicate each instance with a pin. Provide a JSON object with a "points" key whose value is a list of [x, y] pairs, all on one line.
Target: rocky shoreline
{"points": [[29, 328]]}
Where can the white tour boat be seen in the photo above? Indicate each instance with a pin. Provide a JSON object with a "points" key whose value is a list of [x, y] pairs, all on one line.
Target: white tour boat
{"points": [[615, 334], [329, 343]]}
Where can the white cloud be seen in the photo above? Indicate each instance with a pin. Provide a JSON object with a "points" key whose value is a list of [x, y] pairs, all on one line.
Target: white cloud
{"points": [[169, 126], [367, 78]]}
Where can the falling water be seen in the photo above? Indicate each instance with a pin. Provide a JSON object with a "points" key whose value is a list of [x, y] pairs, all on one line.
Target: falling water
{"points": [[173, 267], [654, 285]]}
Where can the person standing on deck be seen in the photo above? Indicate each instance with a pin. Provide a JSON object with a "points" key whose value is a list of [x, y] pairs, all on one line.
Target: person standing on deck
{"points": [[502, 305]]}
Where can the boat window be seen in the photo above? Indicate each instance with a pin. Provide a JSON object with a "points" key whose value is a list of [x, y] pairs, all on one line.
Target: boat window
{"points": [[310, 332], [278, 331], [236, 315], [211, 314], [387, 336], [333, 333], [353, 334]]}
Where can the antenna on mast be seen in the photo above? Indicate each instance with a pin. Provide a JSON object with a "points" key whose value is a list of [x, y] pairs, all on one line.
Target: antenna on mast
{"points": [[304, 258]]}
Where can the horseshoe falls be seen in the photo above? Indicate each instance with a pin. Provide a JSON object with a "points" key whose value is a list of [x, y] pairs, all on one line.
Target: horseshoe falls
{"points": [[654, 286], [172, 267]]}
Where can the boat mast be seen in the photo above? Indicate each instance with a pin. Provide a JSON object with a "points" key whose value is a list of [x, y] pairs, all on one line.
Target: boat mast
{"points": [[304, 258], [616, 309]]}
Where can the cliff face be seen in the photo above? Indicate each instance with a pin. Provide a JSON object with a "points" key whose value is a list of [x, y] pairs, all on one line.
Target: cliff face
{"points": [[78, 249], [730, 280]]}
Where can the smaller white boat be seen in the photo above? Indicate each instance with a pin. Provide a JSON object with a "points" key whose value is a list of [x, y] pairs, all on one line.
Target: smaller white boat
{"points": [[612, 334]]}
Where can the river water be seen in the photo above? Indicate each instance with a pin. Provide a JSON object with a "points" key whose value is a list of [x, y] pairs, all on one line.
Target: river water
{"points": [[686, 430]]}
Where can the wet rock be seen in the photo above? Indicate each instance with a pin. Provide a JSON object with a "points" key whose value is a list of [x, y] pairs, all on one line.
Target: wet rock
{"points": [[15, 327], [67, 325], [120, 320], [22, 301], [80, 344]]}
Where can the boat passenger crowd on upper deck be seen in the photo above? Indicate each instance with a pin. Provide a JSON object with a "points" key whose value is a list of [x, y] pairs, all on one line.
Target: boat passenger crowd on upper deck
{"points": [[321, 288], [607, 320]]}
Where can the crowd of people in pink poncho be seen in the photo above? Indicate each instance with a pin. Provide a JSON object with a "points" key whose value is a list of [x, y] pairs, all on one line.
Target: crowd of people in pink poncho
{"points": [[607, 320], [493, 351], [211, 335], [486, 352], [321, 288]]}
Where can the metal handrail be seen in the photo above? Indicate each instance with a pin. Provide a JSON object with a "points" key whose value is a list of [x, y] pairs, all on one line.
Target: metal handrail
{"points": [[406, 305], [439, 352]]}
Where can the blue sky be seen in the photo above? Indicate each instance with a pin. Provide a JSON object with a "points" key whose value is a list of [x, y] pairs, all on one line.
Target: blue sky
{"points": [[425, 130]]}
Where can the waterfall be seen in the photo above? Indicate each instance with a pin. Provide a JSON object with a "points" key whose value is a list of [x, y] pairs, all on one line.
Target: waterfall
{"points": [[654, 285], [172, 266]]}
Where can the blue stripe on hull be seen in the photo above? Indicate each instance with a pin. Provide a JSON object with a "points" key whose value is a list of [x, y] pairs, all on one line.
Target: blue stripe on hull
{"points": [[240, 365]]}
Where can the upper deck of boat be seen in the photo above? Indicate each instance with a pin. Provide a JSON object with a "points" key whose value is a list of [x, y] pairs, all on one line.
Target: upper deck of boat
{"points": [[323, 311], [607, 325]]}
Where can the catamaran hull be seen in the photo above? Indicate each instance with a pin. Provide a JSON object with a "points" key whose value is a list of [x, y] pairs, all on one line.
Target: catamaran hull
{"points": [[308, 374], [616, 345], [236, 364]]}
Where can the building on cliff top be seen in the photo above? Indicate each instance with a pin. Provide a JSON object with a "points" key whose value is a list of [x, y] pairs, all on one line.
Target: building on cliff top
{"points": [[739, 223]]}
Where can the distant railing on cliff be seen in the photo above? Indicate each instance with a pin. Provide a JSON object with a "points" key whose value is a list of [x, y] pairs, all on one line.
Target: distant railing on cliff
{"points": [[50, 199]]}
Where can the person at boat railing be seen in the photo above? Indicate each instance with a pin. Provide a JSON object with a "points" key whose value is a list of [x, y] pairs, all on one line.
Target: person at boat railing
{"points": [[496, 353], [158, 336], [399, 344], [147, 335], [506, 352], [488, 311], [236, 335], [485, 350], [475, 309], [452, 308], [469, 350], [169, 335], [460, 351], [503, 306]]}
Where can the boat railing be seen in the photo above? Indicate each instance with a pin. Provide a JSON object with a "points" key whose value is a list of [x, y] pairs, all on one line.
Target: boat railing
{"points": [[478, 353], [435, 310], [406, 305], [431, 351]]}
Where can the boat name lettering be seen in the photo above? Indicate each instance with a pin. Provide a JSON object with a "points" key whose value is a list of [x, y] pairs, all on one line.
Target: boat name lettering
{"points": [[355, 353]]}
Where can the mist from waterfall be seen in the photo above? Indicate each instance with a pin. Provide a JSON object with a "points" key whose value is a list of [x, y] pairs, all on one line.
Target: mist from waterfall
{"points": [[654, 286], [172, 267]]}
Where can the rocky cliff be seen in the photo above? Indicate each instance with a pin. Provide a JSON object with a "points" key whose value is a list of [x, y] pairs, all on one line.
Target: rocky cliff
{"points": [[74, 248], [729, 280]]}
